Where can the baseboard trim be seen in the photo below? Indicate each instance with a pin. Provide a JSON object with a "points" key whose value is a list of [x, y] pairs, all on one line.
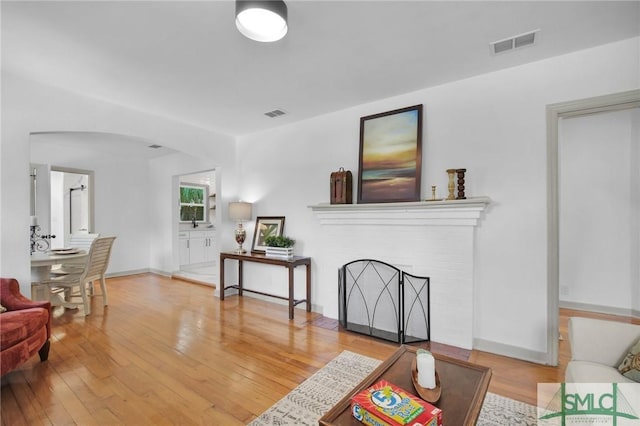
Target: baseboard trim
{"points": [[611, 310], [510, 351], [211, 264], [192, 281], [159, 272], [137, 272], [125, 273]]}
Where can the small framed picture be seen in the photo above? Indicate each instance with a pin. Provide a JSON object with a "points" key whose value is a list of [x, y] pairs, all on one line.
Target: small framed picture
{"points": [[265, 227]]}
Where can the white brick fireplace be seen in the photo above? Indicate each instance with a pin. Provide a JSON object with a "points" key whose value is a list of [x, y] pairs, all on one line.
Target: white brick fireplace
{"points": [[434, 239]]}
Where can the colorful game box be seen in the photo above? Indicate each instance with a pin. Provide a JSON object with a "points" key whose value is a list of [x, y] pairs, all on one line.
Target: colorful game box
{"points": [[385, 404]]}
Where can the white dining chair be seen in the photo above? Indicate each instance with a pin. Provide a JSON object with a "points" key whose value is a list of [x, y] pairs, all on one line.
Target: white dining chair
{"points": [[80, 241], [95, 268]]}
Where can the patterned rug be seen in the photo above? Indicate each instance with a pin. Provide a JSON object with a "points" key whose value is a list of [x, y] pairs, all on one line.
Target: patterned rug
{"points": [[315, 396]]}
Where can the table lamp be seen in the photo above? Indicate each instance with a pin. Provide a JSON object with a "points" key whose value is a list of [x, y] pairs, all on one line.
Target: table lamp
{"points": [[240, 211]]}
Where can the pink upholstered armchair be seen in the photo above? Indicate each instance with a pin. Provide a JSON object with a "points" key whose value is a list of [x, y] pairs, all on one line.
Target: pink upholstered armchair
{"points": [[25, 328]]}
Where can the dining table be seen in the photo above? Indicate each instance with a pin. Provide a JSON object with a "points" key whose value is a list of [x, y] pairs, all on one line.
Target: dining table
{"points": [[41, 273]]}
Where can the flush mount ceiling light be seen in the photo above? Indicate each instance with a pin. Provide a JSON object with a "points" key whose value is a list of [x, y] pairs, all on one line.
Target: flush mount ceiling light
{"points": [[262, 20]]}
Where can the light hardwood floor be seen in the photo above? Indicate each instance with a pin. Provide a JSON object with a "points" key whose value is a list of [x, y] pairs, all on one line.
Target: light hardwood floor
{"points": [[168, 352]]}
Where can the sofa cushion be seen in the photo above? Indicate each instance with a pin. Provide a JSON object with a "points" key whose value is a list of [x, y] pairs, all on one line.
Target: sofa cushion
{"points": [[20, 353], [17, 326], [593, 372], [630, 365]]}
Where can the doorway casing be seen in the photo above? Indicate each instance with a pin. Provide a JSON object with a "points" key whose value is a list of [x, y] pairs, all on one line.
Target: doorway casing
{"points": [[211, 178], [91, 193], [555, 112]]}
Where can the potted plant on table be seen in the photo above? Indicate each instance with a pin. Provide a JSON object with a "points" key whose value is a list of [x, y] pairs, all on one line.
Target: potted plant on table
{"points": [[279, 246]]}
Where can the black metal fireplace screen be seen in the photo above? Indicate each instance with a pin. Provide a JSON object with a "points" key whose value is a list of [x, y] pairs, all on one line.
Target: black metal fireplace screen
{"points": [[380, 300]]}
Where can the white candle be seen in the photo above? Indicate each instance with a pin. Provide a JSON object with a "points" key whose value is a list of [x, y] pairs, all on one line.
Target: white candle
{"points": [[426, 369], [34, 220]]}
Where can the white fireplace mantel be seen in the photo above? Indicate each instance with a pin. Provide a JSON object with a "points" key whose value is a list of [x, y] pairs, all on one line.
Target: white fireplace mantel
{"points": [[446, 213], [429, 238]]}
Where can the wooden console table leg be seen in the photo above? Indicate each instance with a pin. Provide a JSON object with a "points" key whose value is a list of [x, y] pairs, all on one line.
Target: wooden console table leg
{"points": [[290, 292], [309, 287], [239, 277], [222, 278]]}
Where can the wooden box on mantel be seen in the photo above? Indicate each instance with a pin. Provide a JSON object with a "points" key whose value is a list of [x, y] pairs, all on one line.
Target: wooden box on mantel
{"points": [[341, 186]]}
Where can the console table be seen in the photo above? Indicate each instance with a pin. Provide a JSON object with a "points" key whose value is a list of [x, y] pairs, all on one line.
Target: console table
{"points": [[290, 264]]}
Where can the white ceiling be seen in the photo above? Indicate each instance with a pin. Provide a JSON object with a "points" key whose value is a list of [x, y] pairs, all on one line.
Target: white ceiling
{"points": [[187, 61]]}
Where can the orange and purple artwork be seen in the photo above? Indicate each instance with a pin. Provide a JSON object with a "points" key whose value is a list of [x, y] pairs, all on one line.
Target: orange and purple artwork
{"points": [[390, 151]]}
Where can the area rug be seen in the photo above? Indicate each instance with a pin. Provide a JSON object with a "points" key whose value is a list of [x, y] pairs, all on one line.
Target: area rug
{"points": [[315, 396]]}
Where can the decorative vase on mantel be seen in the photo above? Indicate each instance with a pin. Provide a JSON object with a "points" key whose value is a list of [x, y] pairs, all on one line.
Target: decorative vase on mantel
{"points": [[451, 186]]}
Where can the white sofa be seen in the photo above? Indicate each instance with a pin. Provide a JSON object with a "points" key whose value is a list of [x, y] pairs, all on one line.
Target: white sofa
{"points": [[597, 349]]}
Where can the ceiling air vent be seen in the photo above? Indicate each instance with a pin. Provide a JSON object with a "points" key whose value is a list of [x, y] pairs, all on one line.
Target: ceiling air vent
{"points": [[502, 46], [514, 42], [275, 113]]}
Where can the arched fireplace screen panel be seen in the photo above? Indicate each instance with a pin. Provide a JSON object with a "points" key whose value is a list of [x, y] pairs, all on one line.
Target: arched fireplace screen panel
{"points": [[380, 300]]}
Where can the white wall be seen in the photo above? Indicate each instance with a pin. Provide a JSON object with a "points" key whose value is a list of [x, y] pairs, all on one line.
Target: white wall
{"points": [[598, 248], [494, 126], [31, 107]]}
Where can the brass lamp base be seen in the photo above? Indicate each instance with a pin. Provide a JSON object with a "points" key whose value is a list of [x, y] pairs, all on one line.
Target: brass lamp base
{"points": [[241, 235]]}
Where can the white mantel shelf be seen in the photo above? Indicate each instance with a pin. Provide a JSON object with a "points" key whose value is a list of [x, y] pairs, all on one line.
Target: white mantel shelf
{"points": [[444, 213]]}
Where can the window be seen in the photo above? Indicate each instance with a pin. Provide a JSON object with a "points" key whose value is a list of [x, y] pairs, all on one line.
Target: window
{"points": [[193, 202]]}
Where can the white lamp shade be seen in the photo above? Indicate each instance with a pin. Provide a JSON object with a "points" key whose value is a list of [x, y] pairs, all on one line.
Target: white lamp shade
{"points": [[262, 20], [239, 211]]}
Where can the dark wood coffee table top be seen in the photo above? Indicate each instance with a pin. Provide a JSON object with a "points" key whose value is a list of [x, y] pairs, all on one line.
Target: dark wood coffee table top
{"points": [[464, 386]]}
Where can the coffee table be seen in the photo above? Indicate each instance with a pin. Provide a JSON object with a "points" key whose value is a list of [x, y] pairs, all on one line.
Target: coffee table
{"points": [[464, 386]]}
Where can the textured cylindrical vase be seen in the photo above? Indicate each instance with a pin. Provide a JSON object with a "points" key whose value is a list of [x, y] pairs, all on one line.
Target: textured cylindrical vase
{"points": [[451, 186]]}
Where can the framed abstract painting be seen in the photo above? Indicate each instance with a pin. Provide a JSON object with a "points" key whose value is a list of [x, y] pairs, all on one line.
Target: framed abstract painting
{"points": [[390, 166]]}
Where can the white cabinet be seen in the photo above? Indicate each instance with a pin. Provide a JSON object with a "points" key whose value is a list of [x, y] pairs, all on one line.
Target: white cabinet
{"points": [[183, 247], [196, 247], [209, 253]]}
